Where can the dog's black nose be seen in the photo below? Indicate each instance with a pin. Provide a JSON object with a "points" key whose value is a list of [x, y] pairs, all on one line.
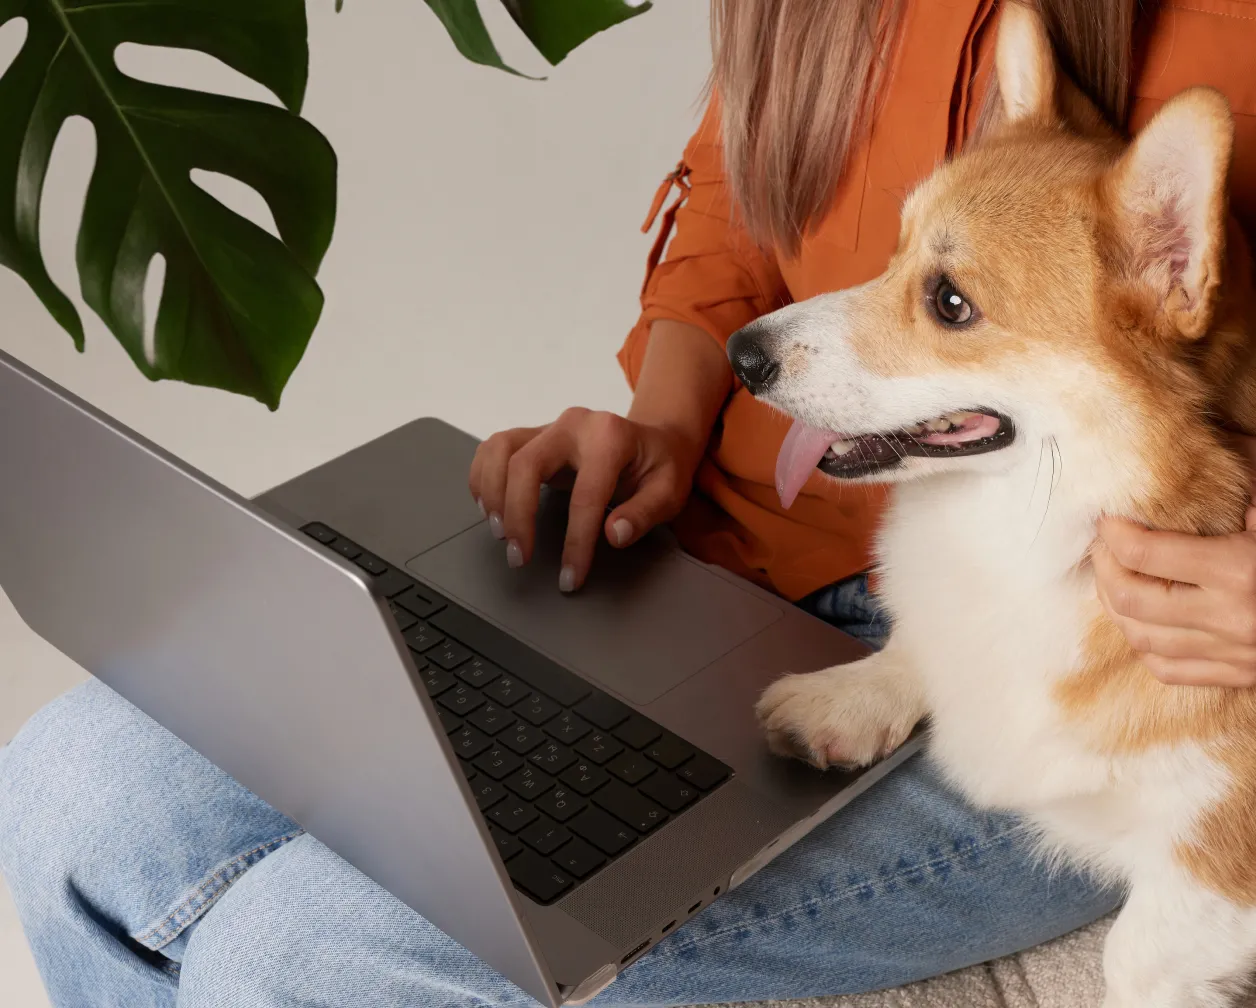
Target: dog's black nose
{"points": [[753, 365]]}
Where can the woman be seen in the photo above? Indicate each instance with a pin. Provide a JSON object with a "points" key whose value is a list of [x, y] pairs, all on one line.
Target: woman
{"points": [[146, 877]]}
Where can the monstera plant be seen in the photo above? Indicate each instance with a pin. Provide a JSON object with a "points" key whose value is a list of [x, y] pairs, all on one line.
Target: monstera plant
{"points": [[238, 305]]}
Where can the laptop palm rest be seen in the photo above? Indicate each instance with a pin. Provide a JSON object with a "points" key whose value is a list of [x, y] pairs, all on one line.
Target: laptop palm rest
{"points": [[647, 619]]}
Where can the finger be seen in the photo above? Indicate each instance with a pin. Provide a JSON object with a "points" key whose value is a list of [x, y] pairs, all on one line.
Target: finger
{"points": [[488, 471], [658, 499], [1167, 603], [1209, 561], [595, 484], [1196, 672], [528, 468], [1178, 642]]}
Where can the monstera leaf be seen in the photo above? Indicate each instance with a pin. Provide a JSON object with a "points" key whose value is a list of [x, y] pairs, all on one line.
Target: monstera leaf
{"points": [[555, 27], [238, 305]]}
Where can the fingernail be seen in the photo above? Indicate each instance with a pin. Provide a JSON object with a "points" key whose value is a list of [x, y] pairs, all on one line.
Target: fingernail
{"points": [[514, 555], [495, 526], [567, 579], [480, 504], [622, 531]]}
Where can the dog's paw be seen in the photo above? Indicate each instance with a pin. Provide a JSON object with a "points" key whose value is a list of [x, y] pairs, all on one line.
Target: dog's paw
{"points": [[847, 716]]}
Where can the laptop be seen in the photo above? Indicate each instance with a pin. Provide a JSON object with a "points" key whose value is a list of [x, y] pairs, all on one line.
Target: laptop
{"points": [[556, 781]]}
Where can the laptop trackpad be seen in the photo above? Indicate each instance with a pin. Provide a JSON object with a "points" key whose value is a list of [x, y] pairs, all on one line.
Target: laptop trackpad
{"points": [[647, 619]]}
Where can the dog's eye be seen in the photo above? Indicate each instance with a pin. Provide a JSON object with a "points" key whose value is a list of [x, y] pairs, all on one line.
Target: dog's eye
{"points": [[950, 305]]}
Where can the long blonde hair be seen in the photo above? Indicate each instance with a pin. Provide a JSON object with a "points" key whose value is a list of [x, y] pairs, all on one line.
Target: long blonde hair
{"points": [[798, 81]]}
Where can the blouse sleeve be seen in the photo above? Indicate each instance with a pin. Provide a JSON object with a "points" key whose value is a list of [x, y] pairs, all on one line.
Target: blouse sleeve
{"points": [[713, 275]]}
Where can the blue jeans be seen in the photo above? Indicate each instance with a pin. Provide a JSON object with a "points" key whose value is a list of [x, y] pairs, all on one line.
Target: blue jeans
{"points": [[146, 877]]}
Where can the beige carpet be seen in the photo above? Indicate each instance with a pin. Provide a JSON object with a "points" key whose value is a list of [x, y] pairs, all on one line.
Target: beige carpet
{"points": [[1065, 973]]}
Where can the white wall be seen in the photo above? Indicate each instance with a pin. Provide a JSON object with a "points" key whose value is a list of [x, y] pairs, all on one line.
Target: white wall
{"points": [[485, 266]]}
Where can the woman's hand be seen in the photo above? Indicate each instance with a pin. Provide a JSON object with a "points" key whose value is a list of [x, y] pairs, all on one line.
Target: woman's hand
{"points": [[651, 466], [646, 459], [1199, 628]]}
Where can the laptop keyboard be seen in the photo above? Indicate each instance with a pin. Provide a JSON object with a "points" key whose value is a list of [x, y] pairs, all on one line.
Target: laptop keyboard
{"points": [[567, 777]]}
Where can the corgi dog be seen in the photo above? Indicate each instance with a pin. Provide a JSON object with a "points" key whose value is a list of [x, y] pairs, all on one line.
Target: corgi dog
{"points": [[1060, 335]]}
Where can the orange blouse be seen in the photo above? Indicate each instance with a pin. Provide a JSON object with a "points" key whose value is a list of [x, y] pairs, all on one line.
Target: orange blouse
{"points": [[714, 277]]}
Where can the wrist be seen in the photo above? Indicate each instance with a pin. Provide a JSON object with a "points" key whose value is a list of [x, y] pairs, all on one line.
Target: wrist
{"points": [[687, 436]]}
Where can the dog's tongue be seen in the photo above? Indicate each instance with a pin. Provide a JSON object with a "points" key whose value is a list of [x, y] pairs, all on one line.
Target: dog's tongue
{"points": [[803, 448]]}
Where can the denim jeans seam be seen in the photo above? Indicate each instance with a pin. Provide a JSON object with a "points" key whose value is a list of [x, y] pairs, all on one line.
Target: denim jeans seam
{"points": [[698, 942], [206, 894]]}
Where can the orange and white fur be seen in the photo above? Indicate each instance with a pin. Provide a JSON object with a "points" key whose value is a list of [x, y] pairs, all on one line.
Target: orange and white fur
{"points": [[1093, 300]]}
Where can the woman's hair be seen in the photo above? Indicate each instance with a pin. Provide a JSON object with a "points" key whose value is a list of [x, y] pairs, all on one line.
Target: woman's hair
{"points": [[798, 81]]}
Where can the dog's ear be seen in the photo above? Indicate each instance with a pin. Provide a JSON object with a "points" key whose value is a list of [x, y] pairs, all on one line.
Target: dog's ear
{"points": [[1025, 65], [1168, 192]]}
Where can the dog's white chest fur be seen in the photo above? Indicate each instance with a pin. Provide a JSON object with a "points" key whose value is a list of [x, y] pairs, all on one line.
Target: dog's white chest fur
{"points": [[992, 616], [991, 621]]}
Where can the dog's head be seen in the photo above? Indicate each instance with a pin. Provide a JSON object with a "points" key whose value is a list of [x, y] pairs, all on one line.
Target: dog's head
{"points": [[1053, 284]]}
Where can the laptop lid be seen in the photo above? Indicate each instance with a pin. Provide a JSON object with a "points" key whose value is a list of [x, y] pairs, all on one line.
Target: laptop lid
{"points": [[258, 649]]}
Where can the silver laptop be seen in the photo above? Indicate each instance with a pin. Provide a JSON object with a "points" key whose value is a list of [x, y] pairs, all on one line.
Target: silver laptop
{"points": [[555, 781]]}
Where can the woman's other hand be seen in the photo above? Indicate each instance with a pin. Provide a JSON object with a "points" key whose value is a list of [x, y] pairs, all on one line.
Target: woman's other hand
{"points": [[1187, 604]]}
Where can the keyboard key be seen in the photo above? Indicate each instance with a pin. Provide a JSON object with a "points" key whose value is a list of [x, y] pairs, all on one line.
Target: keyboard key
{"points": [[319, 531], [462, 699], [448, 721], [479, 673], [511, 653], [632, 807], [370, 563], [420, 601], [585, 777], [391, 583], [603, 711], [348, 550], [669, 752], [604, 832], [437, 681], [491, 718], [507, 690], [469, 742], [468, 771], [539, 878], [545, 836], [536, 708], [522, 737], [422, 638], [568, 728], [529, 782], [486, 792], [579, 858], [638, 732], [403, 619], [553, 758], [507, 846], [498, 762], [561, 804], [703, 771], [669, 792], [599, 747], [628, 767], [449, 655], [512, 815]]}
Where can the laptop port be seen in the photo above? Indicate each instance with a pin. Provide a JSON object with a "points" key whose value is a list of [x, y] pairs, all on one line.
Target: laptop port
{"points": [[633, 954], [695, 907], [717, 891], [668, 926]]}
